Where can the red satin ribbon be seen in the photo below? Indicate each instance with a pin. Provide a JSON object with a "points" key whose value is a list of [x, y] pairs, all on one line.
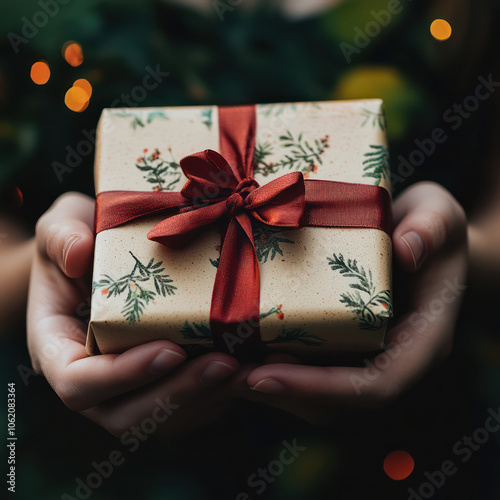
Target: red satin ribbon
{"points": [[221, 186]]}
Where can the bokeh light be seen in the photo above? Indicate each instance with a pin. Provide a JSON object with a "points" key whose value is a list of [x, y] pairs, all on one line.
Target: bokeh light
{"points": [[40, 73], [73, 53], [76, 99], [398, 465], [85, 85], [440, 29]]}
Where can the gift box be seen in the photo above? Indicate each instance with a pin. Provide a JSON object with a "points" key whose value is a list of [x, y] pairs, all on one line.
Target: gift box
{"points": [[240, 228]]}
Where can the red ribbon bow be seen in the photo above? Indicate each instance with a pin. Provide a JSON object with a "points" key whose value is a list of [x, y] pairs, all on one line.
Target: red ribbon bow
{"points": [[222, 186]]}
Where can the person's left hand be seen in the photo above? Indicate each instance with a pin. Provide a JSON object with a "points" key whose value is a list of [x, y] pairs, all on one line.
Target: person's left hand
{"points": [[429, 242]]}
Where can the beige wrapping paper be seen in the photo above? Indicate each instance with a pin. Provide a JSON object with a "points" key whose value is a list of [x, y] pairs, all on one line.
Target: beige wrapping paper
{"points": [[322, 289]]}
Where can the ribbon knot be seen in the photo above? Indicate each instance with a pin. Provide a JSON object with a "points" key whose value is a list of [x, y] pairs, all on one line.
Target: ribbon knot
{"points": [[236, 202]]}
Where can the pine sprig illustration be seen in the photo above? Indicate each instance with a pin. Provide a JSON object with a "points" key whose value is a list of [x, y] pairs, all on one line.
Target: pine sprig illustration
{"points": [[165, 174], [301, 156], [206, 116], [296, 335], [363, 305], [138, 296], [267, 242], [377, 163], [375, 118], [137, 121], [201, 331], [196, 331]]}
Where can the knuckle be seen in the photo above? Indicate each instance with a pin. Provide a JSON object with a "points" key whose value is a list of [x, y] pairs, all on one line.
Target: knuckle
{"points": [[437, 226], [69, 197]]}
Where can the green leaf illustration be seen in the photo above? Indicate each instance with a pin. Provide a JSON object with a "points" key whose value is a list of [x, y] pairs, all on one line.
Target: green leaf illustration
{"points": [[138, 296], [364, 306], [377, 163]]}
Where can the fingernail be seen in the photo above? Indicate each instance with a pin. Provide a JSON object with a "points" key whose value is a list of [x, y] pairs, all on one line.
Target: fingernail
{"points": [[68, 244], [269, 386], [165, 361], [416, 245], [215, 372]]}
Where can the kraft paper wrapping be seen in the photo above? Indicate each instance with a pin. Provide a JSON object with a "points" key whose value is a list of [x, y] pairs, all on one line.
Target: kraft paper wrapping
{"points": [[322, 289]]}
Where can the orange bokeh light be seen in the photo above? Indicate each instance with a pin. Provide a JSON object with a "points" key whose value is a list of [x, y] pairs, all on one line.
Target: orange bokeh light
{"points": [[440, 29], [85, 85], [398, 465], [73, 53], [76, 99], [40, 73]]}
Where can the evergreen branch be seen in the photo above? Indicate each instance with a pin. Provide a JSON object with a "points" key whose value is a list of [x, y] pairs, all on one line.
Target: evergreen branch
{"points": [[377, 163]]}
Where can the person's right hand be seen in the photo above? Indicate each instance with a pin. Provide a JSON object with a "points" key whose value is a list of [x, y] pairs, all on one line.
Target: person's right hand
{"points": [[117, 391]]}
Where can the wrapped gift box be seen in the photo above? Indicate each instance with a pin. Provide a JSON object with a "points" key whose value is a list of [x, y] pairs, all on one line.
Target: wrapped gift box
{"points": [[322, 289]]}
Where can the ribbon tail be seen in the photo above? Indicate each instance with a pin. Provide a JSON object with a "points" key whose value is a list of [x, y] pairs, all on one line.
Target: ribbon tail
{"points": [[234, 314]]}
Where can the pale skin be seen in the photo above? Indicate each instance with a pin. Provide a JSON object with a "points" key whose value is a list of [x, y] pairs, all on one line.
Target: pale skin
{"points": [[118, 391]]}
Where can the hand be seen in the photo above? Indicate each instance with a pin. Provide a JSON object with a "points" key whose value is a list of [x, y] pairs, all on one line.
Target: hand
{"points": [[429, 242], [117, 391]]}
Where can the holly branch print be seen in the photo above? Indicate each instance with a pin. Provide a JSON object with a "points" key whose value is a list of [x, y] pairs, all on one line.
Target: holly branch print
{"points": [[164, 174], [301, 156], [377, 163], [364, 306], [138, 296]]}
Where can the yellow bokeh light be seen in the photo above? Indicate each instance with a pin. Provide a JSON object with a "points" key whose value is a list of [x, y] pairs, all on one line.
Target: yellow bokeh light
{"points": [[85, 85], [73, 53], [440, 29], [76, 99], [40, 73]]}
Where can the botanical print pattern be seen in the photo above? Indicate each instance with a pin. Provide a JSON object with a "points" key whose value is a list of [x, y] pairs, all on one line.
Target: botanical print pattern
{"points": [[375, 119], [134, 283], [164, 174], [206, 117], [201, 331], [267, 242], [137, 119], [301, 155], [374, 308], [278, 109], [377, 163]]}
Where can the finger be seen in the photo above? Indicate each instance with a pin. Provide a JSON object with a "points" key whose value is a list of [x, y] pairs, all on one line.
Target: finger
{"points": [[186, 386], [427, 219], [82, 381], [64, 233]]}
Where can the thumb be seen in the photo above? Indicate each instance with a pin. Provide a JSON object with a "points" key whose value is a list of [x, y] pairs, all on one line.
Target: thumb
{"points": [[428, 219], [64, 234]]}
